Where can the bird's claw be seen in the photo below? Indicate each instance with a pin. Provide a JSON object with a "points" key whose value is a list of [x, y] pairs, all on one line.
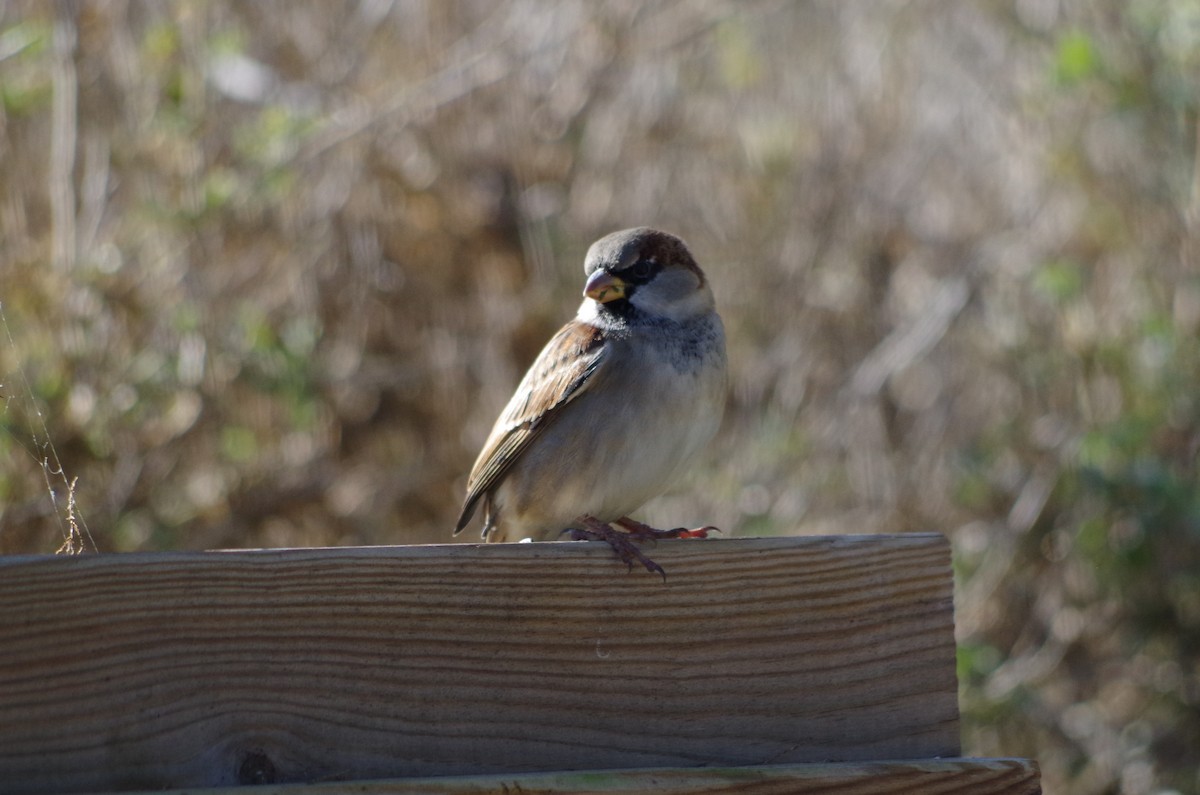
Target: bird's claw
{"points": [[644, 532], [622, 543], [699, 532]]}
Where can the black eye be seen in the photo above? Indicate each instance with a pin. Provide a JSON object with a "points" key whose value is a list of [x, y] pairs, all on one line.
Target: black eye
{"points": [[641, 269]]}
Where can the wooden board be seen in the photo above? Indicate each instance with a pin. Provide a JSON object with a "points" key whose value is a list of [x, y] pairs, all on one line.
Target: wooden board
{"points": [[147, 671], [943, 776]]}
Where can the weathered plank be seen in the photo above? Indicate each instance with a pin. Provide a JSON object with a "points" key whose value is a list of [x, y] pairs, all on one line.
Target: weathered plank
{"points": [[147, 671], [944, 776]]}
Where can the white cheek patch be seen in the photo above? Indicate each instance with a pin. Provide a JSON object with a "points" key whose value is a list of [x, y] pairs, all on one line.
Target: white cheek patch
{"points": [[673, 294]]}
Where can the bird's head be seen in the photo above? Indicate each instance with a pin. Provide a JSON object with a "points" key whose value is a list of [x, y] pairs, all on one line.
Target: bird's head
{"points": [[645, 271]]}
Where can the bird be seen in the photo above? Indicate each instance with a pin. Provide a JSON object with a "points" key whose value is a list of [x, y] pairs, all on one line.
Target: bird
{"points": [[614, 409]]}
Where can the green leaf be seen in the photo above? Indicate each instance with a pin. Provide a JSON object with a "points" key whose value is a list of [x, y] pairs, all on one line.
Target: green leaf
{"points": [[1075, 59], [1060, 280], [25, 38], [238, 443]]}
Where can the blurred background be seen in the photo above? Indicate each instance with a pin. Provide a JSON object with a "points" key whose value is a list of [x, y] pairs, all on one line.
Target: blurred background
{"points": [[269, 270]]}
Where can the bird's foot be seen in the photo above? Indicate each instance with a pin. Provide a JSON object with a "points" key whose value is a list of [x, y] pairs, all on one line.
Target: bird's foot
{"points": [[643, 532], [622, 543]]}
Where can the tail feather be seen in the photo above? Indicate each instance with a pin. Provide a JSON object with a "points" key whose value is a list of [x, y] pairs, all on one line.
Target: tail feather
{"points": [[468, 511]]}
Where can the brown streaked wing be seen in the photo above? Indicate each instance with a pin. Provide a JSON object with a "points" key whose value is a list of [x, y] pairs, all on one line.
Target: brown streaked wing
{"points": [[562, 371]]}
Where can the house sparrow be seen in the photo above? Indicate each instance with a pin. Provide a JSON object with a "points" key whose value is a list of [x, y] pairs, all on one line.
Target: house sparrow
{"points": [[614, 408]]}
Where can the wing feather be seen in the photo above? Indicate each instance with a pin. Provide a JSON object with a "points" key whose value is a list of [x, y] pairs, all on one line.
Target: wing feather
{"points": [[562, 371]]}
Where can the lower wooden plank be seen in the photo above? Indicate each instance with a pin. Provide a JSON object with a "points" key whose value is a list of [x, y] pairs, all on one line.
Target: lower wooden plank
{"points": [[148, 671], [946, 776]]}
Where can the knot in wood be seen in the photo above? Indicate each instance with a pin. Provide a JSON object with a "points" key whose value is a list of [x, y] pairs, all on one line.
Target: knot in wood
{"points": [[256, 768]]}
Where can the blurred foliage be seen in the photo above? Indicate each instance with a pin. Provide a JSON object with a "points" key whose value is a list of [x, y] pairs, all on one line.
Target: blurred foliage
{"points": [[268, 271]]}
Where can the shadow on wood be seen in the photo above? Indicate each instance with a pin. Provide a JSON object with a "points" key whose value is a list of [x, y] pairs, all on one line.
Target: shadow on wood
{"points": [[147, 671]]}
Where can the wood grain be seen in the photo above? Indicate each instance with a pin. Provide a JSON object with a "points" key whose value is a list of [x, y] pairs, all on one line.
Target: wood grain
{"points": [[147, 671], [942, 776]]}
